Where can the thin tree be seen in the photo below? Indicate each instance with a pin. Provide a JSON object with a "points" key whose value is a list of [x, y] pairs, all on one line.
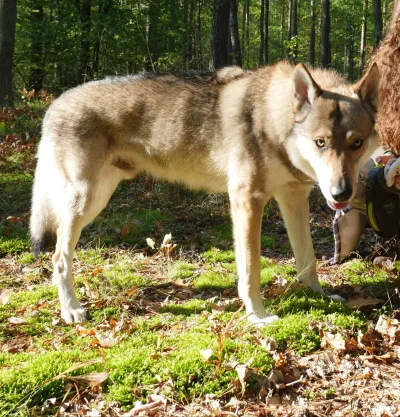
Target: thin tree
{"points": [[294, 28], [325, 31], [378, 24], [234, 32], [266, 32], [84, 61], [363, 38], [311, 56], [8, 17], [219, 34], [36, 68], [261, 50]]}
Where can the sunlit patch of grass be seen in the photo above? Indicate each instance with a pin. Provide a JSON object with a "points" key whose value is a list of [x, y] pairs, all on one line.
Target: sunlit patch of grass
{"points": [[26, 258], [91, 256], [216, 255], [187, 308], [26, 379], [364, 274], [269, 270], [181, 270], [214, 281]]}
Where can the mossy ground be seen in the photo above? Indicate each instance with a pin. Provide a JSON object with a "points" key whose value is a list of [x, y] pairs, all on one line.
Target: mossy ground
{"points": [[151, 316]]}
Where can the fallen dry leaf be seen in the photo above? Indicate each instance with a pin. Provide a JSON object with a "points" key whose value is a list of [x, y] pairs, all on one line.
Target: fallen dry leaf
{"points": [[4, 297], [334, 341], [362, 302], [150, 242], [93, 379], [16, 320]]}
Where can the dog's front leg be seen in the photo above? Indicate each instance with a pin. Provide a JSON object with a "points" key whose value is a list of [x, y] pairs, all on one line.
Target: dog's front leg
{"points": [[247, 210], [293, 204]]}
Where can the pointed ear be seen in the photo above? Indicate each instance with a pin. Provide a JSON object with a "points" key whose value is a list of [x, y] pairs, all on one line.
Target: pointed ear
{"points": [[305, 91], [368, 90]]}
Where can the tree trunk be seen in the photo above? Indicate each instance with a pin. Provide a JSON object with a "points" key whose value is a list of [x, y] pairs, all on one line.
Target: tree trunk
{"points": [[294, 28], [378, 24], [282, 28], [36, 68], [363, 38], [311, 56], [350, 51], [219, 35], [266, 30], [244, 30], [84, 62], [200, 46], [8, 17], [325, 31], [261, 50], [234, 29], [248, 33], [103, 8]]}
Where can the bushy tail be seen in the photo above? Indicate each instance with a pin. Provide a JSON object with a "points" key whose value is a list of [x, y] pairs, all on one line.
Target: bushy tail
{"points": [[43, 225]]}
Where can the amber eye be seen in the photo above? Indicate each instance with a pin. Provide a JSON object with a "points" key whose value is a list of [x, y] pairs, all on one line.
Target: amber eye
{"points": [[358, 143], [320, 143]]}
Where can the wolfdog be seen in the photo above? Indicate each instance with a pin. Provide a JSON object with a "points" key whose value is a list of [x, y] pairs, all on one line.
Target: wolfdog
{"points": [[268, 133]]}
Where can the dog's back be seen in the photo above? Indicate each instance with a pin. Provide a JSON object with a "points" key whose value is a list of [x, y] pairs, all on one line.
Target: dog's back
{"points": [[252, 134]]}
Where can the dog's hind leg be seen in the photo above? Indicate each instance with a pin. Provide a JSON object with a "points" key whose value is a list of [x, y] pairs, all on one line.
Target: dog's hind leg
{"points": [[293, 204], [82, 202], [247, 210]]}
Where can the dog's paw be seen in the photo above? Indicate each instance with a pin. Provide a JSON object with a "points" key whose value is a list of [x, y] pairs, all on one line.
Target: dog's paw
{"points": [[262, 322], [336, 297], [71, 315]]}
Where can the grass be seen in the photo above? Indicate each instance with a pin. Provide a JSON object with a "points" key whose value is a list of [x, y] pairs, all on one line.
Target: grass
{"points": [[151, 316]]}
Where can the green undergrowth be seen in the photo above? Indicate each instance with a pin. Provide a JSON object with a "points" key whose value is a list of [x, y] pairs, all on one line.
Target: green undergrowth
{"points": [[161, 319]]}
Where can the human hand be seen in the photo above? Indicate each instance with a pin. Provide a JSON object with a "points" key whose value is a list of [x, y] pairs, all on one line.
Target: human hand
{"points": [[392, 170]]}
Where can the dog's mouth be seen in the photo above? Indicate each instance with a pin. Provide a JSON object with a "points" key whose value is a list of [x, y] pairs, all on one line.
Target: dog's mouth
{"points": [[337, 206]]}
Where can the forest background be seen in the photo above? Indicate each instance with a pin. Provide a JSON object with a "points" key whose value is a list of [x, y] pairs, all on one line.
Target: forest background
{"points": [[62, 43]]}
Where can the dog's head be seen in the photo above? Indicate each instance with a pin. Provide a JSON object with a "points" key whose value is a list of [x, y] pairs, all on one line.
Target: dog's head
{"points": [[334, 129]]}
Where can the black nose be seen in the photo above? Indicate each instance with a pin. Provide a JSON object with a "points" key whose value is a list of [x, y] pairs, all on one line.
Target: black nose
{"points": [[341, 193]]}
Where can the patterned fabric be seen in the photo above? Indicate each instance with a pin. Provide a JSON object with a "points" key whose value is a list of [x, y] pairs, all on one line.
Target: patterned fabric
{"points": [[336, 234]]}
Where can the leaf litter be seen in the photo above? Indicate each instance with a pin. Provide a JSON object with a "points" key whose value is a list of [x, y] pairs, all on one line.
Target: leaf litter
{"points": [[355, 373]]}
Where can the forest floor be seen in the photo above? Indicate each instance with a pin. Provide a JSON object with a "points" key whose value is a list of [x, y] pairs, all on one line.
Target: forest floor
{"points": [[167, 334]]}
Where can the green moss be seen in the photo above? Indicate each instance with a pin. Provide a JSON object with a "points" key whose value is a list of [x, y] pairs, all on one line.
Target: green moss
{"points": [[268, 242], [181, 270], [214, 281], [188, 308], [215, 255], [270, 270], [27, 379], [26, 258]]}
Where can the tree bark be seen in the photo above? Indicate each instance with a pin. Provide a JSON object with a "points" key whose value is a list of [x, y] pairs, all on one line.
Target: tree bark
{"points": [[378, 24], [261, 50], [350, 51], [311, 56], [282, 28], [266, 32], [294, 28], [8, 17], [248, 32], [363, 38], [325, 31], [36, 69], [234, 31], [84, 62], [219, 35], [103, 8]]}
